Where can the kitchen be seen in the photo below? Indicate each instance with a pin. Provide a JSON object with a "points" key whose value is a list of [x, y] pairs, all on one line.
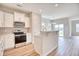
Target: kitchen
{"points": [[13, 25], [21, 28]]}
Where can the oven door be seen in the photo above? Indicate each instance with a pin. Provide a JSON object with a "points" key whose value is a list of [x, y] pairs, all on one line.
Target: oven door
{"points": [[20, 39]]}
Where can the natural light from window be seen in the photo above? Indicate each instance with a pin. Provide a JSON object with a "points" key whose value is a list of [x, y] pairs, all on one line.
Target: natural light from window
{"points": [[77, 27]]}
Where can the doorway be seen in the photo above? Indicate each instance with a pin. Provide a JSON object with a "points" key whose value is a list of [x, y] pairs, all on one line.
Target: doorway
{"points": [[60, 28]]}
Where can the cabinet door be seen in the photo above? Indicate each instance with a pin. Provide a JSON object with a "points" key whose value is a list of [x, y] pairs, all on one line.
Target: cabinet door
{"points": [[8, 19], [9, 41], [1, 46], [18, 16], [1, 18], [29, 38], [27, 22], [22, 17]]}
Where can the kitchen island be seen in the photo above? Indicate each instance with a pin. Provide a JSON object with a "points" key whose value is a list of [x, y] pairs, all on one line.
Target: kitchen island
{"points": [[46, 42]]}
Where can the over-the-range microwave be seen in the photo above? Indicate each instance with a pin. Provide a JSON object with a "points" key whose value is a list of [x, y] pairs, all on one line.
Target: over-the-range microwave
{"points": [[19, 24]]}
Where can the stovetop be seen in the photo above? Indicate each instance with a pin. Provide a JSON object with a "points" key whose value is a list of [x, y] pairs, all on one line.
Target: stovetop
{"points": [[19, 33]]}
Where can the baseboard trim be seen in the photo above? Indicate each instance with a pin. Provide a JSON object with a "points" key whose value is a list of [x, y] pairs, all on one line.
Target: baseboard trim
{"points": [[46, 54], [18, 47]]}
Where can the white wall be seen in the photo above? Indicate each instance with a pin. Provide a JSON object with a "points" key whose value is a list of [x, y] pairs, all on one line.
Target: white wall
{"points": [[36, 24], [73, 21]]}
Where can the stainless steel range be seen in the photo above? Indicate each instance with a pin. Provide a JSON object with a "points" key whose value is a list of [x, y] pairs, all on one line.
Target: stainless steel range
{"points": [[20, 36]]}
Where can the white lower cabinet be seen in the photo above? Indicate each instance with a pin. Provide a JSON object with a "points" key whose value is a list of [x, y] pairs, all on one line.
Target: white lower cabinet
{"points": [[1, 46], [29, 38], [9, 41], [1, 49], [1, 53]]}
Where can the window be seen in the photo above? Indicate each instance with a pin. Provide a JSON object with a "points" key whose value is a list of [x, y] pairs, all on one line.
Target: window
{"points": [[77, 27], [56, 27], [46, 27]]}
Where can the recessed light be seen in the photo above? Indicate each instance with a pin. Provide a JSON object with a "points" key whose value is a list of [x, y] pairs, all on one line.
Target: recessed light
{"points": [[19, 4], [40, 10], [56, 5]]}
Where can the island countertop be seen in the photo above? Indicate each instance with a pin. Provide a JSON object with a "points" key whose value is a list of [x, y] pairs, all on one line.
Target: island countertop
{"points": [[50, 31]]}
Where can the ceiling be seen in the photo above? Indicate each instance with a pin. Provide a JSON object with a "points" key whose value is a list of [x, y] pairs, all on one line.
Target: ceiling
{"points": [[48, 10]]}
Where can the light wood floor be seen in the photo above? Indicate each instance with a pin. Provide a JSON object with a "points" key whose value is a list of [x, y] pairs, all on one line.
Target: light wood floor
{"points": [[21, 51], [66, 47]]}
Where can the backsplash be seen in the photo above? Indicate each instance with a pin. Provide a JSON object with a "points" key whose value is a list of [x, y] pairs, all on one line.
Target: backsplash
{"points": [[8, 30]]}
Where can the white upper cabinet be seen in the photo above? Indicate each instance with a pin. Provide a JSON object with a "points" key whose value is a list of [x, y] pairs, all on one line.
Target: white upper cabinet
{"points": [[8, 19], [1, 18], [27, 22], [19, 16]]}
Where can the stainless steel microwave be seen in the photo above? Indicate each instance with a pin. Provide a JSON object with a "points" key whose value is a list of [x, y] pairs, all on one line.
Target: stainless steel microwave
{"points": [[19, 24]]}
